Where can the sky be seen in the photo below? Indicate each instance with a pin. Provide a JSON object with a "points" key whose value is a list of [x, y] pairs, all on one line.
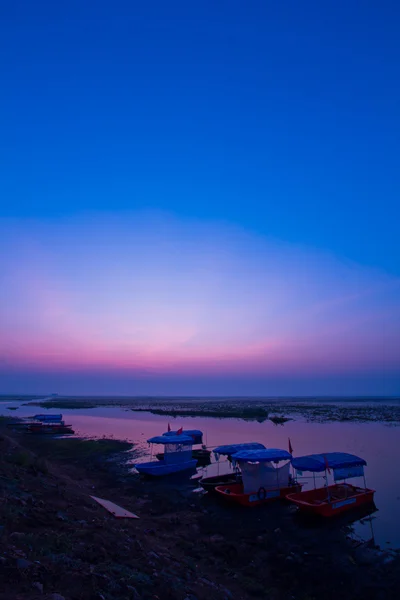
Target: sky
{"points": [[200, 198]]}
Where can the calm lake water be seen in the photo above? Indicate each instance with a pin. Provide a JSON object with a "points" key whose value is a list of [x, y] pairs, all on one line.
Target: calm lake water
{"points": [[379, 444]]}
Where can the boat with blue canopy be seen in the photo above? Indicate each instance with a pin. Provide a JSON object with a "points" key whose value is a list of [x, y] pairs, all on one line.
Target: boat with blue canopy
{"points": [[210, 483], [201, 454], [339, 497], [177, 456], [48, 418], [263, 478]]}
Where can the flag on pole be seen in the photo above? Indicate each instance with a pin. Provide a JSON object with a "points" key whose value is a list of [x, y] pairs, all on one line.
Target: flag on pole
{"points": [[290, 447], [179, 431], [327, 464], [169, 427]]}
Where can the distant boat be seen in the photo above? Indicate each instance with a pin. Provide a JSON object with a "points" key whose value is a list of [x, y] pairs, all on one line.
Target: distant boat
{"points": [[49, 428], [48, 418], [335, 499]]}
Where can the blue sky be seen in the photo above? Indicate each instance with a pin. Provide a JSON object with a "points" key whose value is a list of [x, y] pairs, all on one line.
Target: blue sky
{"points": [[281, 119]]}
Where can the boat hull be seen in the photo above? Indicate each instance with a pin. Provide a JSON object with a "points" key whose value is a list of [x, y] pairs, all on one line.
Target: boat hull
{"points": [[343, 497], [202, 456], [210, 483], [50, 429], [234, 493], [161, 469]]}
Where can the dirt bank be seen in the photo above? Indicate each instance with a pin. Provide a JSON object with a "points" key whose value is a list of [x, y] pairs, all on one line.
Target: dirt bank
{"points": [[55, 540]]}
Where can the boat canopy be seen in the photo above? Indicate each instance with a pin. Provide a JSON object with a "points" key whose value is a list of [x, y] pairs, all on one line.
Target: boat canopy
{"points": [[262, 455], [47, 417], [195, 434], [171, 439], [333, 460], [230, 449], [259, 471]]}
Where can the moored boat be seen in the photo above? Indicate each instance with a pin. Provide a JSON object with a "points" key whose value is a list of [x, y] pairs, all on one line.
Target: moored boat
{"points": [[210, 483], [262, 479], [202, 455], [59, 428], [48, 418], [339, 497], [49, 428], [177, 456]]}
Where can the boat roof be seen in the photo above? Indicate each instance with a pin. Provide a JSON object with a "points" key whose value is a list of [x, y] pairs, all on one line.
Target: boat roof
{"points": [[267, 455], [334, 460], [171, 439], [186, 432], [229, 449], [47, 416]]}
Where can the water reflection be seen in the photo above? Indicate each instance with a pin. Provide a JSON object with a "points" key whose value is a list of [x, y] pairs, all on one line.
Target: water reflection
{"points": [[375, 442]]}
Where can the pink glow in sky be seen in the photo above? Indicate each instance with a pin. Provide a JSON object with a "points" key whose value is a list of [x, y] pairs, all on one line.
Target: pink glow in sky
{"points": [[149, 296]]}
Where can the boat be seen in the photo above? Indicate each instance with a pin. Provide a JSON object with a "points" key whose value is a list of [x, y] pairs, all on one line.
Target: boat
{"points": [[262, 479], [202, 455], [48, 423], [49, 428], [177, 456], [339, 497], [48, 418], [25, 426], [210, 483]]}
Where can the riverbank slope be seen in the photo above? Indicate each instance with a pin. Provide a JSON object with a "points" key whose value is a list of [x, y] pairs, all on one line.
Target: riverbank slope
{"points": [[54, 539]]}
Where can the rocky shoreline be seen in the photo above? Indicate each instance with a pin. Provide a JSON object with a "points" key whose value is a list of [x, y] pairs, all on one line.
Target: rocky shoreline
{"points": [[56, 542]]}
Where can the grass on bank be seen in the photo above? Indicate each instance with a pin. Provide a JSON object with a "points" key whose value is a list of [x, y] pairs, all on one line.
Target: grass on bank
{"points": [[75, 449], [68, 448]]}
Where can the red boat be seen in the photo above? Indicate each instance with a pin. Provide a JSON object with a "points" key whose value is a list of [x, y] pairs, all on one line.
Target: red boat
{"points": [[262, 482], [332, 500], [335, 499]]}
